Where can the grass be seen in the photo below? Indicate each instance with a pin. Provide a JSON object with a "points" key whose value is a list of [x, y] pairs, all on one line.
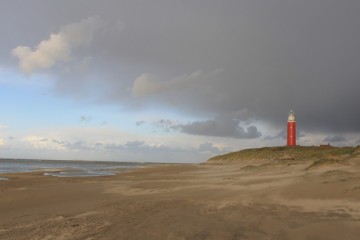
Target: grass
{"points": [[320, 155]]}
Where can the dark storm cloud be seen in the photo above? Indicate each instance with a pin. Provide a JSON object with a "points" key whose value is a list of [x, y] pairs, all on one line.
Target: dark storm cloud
{"points": [[283, 135], [273, 55], [280, 135], [215, 128], [220, 126], [334, 139]]}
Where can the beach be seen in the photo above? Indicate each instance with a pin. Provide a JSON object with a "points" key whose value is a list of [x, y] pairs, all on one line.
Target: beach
{"points": [[254, 199]]}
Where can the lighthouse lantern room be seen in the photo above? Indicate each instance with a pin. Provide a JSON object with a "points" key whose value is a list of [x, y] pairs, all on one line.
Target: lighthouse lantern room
{"points": [[291, 130]]}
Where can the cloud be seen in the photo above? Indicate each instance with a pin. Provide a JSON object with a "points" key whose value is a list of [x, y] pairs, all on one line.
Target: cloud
{"points": [[165, 124], [3, 127], [211, 148], [276, 56], [72, 145], [139, 123], [58, 48], [283, 135], [44, 143], [215, 128], [280, 135], [220, 126], [334, 139], [2, 142], [39, 142], [85, 118], [148, 84], [140, 146], [104, 143]]}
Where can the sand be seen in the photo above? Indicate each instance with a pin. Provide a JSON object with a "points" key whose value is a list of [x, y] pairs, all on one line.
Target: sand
{"points": [[248, 200]]}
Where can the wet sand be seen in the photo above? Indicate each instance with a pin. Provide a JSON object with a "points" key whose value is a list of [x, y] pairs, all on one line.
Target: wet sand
{"points": [[247, 200]]}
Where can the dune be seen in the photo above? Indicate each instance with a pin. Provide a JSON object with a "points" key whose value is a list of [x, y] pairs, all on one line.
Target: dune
{"points": [[268, 193]]}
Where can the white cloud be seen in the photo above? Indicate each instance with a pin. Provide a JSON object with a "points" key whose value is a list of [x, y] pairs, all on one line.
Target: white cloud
{"points": [[105, 143], [2, 141], [212, 148], [3, 127], [58, 47], [39, 142]]}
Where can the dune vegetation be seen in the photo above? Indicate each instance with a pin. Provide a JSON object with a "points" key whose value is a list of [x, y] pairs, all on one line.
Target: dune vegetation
{"points": [[320, 155]]}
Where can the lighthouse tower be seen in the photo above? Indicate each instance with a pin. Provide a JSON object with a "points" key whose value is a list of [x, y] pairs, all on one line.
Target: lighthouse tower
{"points": [[291, 130]]}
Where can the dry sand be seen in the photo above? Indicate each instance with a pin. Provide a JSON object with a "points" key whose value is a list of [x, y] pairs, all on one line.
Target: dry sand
{"points": [[248, 200]]}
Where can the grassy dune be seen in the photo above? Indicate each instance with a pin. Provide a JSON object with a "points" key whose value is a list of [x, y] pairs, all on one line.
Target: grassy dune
{"points": [[320, 155]]}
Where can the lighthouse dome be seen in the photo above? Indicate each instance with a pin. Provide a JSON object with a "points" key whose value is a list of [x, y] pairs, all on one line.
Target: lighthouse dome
{"points": [[291, 117]]}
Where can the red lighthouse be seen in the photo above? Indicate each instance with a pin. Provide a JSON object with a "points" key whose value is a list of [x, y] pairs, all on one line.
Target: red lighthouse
{"points": [[291, 130]]}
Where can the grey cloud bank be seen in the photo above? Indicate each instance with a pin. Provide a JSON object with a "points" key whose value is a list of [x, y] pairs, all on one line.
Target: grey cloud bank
{"points": [[274, 55], [227, 128], [221, 126], [334, 139]]}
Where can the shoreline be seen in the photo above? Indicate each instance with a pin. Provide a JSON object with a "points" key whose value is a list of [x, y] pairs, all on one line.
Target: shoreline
{"points": [[68, 168], [187, 201]]}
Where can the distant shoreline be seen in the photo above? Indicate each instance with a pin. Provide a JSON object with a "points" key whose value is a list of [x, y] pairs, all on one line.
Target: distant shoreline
{"points": [[67, 168]]}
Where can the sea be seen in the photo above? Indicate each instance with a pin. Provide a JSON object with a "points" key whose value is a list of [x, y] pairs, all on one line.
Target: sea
{"points": [[61, 168]]}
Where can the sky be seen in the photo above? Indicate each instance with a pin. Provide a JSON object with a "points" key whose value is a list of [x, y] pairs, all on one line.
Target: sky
{"points": [[175, 81]]}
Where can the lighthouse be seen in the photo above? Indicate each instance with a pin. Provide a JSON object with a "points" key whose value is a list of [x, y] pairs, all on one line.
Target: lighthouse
{"points": [[291, 130]]}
